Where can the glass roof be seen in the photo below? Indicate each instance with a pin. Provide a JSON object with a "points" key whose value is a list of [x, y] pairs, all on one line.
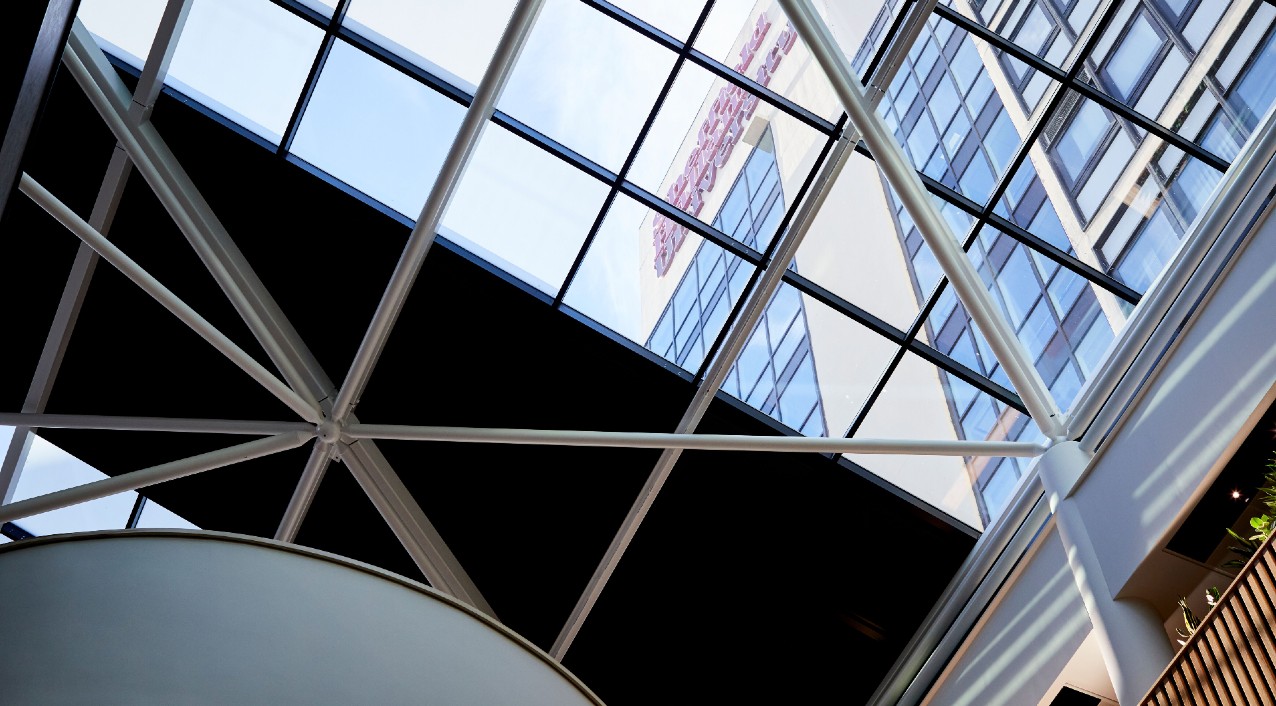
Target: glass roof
{"points": [[1070, 183]]}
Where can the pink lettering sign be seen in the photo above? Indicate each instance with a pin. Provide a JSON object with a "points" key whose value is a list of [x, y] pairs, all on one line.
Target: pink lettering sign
{"points": [[718, 135]]}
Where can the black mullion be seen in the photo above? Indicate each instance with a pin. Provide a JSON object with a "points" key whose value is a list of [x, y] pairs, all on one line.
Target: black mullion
{"points": [[554, 147], [707, 232], [1191, 148], [1094, 275], [722, 71], [305, 12], [312, 79], [975, 379], [404, 66], [1070, 82], [888, 39], [900, 338], [135, 515], [768, 253], [608, 9], [649, 30], [909, 337], [860, 316], [983, 217], [871, 401], [713, 65]]}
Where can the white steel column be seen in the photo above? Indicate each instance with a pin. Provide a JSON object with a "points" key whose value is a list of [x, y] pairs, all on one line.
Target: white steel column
{"points": [[934, 229], [109, 194], [1131, 636], [164, 296], [183, 201], [151, 476], [186, 206], [311, 476], [422, 237], [734, 342], [708, 442], [405, 517], [166, 424]]}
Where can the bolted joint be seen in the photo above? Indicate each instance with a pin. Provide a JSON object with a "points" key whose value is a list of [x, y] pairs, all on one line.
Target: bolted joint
{"points": [[328, 432]]}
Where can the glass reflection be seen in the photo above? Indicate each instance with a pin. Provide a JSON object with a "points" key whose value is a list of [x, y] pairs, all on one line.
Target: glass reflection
{"points": [[376, 129], [246, 59], [453, 40]]}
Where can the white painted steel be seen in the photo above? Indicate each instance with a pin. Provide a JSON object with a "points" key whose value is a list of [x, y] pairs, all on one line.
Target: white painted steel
{"points": [[112, 254], [405, 517], [168, 424], [476, 119], [711, 442], [281, 341], [108, 198], [151, 476], [184, 204], [755, 305], [304, 494], [902, 176]]}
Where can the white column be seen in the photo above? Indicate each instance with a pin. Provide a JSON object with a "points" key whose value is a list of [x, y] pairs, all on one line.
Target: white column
{"points": [[1131, 635]]}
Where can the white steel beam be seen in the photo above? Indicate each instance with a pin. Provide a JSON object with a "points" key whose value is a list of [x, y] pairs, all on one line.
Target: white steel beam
{"points": [[108, 198], [164, 424], [185, 205], [708, 442], [151, 476], [404, 515], [934, 229], [182, 199], [112, 254], [201, 227], [304, 494], [422, 237], [734, 342]]}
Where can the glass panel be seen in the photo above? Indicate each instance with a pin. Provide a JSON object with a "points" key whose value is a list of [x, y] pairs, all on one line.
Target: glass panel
{"points": [[50, 469], [426, 33], [917, 403], [246, 59], [756, 40], [859, 248], [598, 107], [124, 28], [676, 17], [546, 209], [676, 315], [808, 366], [377, 129]]}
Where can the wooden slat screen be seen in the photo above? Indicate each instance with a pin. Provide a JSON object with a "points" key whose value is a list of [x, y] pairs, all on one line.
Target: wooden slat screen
{"points": [[1231, 658]]}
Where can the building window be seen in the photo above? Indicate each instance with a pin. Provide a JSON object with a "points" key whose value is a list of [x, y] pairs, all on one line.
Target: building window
{"points": [[775, 372], [1141, 46]]}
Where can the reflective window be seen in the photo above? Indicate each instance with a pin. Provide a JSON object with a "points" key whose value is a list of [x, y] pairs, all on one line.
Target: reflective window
{"points": [[1081, 139], [1129, 62]]}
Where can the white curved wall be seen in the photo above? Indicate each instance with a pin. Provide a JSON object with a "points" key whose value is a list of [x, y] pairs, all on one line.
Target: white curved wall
{"points": [[202, 618]]}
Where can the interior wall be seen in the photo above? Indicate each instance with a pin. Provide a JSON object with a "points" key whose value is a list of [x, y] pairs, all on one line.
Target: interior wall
{"points": [[1207, 394], [1020, 647]]}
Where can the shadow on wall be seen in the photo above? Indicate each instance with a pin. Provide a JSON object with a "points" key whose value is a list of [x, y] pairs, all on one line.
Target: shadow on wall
{"points": [[1024, 641]]}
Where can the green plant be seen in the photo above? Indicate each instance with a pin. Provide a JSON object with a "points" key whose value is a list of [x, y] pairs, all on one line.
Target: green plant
{"points": [[1263, 525], [1190, 621]]}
